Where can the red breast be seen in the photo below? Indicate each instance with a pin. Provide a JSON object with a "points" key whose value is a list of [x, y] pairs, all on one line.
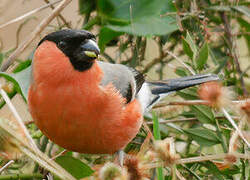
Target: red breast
{"points": [[74, 111]]}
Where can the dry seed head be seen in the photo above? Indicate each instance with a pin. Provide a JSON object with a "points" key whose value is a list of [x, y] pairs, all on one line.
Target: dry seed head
{"points": [[215, 94], [135, 168], [111, 171], [165, 150]]}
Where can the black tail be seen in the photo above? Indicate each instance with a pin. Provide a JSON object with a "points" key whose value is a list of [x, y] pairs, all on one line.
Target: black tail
{"points": [[171, 85]]}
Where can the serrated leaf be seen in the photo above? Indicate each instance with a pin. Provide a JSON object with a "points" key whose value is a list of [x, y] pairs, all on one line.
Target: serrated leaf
{"points": [[204, 137], [74, 166], [21, 80], [203, 113], [203, 56], [105, 36]]}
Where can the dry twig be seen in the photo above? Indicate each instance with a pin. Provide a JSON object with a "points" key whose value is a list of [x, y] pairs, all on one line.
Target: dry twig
{"points": [[34, 34]]}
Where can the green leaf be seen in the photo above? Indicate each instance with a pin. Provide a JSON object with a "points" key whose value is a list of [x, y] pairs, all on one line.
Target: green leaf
{"points": [[203, 113], [86, 6], [157, 136], [74, 166], [21, 80], [22, 65], [1, 58], [156, 129], [181, 71], [192, 45], [189, 94], [187, 49], [142, 18], [148, 26], [243, 9], [203, 56], [204, 137], [105, 36]]}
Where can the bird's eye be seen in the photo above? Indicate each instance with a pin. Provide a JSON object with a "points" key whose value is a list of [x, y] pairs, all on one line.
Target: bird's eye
{"points": [[62, 44]]}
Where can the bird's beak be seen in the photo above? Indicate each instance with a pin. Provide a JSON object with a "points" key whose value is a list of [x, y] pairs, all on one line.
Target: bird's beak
{"points": [[90, 49]]}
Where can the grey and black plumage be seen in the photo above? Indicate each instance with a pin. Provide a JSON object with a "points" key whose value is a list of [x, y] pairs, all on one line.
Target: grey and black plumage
{"points": [[131, 84]]}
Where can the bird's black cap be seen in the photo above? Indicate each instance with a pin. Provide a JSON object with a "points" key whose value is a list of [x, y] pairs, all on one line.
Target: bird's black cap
{"points": [[77, 45]]}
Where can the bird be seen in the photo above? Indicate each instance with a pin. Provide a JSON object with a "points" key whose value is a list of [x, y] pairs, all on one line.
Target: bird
{"points": [[90, 106]]}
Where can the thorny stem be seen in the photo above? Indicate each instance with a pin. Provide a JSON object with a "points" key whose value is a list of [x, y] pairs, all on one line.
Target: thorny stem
{"points": [[34, 34], [235, 126], [6, 165]]}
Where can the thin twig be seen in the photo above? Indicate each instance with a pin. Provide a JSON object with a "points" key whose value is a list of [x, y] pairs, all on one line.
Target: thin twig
{"points": [[59, 154], [210, 157], [180, 61], [193, 102], [235, 126], [185, 119], [28, 14], [190, 102], [6, 165], [17, 116], [34, 34], [59, 15]]}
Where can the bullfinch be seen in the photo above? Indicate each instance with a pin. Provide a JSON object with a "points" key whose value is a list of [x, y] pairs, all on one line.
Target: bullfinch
{"points": [[88, 106]]}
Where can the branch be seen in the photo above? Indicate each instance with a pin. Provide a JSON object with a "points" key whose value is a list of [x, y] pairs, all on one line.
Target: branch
{"points": [[6, 165], [210, 157], [34, 34], [19, 18], [59, 15], [233, 48]]}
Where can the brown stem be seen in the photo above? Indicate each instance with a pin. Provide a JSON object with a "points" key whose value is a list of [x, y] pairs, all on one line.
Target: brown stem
{"points": [[59, 15], [34, 34], [233, 49]]}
